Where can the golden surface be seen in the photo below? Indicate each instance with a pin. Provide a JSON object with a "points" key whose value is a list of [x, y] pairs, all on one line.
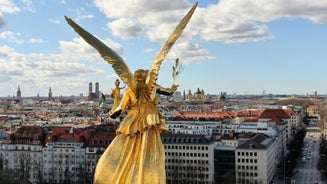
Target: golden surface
{"points": [[136, 155], [107, 54], [154, 70], [115, 93]]}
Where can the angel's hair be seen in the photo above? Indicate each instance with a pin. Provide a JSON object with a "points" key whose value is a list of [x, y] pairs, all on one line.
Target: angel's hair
{"points": [[140, 73]]}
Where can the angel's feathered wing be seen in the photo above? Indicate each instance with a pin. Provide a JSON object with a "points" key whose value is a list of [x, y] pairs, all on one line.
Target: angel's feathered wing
{"points": [[107, 54], [154, 70]]}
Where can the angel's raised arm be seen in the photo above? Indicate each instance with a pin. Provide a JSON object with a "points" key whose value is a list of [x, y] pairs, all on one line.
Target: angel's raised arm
{"points": [[107, 54]]}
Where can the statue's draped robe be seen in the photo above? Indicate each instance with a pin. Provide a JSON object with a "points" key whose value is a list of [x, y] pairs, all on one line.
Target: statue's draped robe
{"points": [[136, 155]]}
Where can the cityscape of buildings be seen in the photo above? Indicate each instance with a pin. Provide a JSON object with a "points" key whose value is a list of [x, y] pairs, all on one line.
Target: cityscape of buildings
{"points": [[211, 139]]}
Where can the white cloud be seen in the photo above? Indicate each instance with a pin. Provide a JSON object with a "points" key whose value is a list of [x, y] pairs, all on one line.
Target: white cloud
{"points": [[70, 70], [2, 21], [139, 8], [264, 10], [230, 29], [154, 20], [189, 52], [79, 50], [78, 63], [55, 21], [27, 5], [8, 6], [36, 40], [14, 38], [149, 50], [11, 37], [83, 14], [228, 21], [125, 28]]}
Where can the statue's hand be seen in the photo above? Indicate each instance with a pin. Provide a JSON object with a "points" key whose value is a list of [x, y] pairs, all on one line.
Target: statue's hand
{"points": [[115, 114], [174, 87]]}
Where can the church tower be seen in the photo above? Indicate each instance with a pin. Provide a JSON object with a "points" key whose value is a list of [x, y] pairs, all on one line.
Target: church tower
{"points": [[97, 91], [184, 95], [90, 88], [19, 93], [50, 94]]}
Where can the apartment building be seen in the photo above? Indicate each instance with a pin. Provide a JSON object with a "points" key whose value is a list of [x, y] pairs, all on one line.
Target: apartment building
{"points": [[189, 158], [95, 146], [280, 117], [63, 155], [254, 160], [224, 162], [268, 128], [313, 110], [22, 151], [55, 154], [192, 127]]}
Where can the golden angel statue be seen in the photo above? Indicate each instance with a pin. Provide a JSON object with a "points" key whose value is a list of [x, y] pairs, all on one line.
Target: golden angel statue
{"points": [[136, 155], [115, 93]]}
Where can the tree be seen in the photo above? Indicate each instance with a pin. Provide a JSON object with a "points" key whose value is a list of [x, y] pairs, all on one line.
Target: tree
{"points": [[24, 168], [6, 174], [322, 163]]}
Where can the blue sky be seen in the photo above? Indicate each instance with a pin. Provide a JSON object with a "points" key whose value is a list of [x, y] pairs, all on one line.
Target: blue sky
{"points": [[242, 47]]}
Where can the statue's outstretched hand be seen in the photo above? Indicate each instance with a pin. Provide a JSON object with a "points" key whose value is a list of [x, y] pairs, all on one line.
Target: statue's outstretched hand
{"points": [[115, 114], [174, 87]]}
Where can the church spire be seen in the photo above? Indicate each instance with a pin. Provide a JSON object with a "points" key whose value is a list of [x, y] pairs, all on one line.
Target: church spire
{"points": [[19, 93], [50, 94]]}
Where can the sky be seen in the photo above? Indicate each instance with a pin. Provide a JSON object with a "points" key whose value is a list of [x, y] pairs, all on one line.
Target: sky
{"points": [[233, 46]]}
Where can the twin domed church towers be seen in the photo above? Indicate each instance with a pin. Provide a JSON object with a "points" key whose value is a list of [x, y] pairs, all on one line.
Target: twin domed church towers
{"points": [[93, 95]]}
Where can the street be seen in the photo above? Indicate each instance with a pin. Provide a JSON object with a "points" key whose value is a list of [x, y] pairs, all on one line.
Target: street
{"points": [[306, 171]]}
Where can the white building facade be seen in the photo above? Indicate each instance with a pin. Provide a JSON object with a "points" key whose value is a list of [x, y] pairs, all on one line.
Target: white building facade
{"points": [[189, 159], [254, 160]]}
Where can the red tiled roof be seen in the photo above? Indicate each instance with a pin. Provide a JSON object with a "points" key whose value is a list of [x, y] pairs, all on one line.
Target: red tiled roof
{"points": [[272, 113], [291, 112], [248, 113], [27, 135], [66, 134], [101, 139], [275, 115], [254, 119]]}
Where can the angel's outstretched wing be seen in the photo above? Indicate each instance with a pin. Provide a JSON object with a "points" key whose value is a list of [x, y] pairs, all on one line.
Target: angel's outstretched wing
{"points": [[154, 70], [107, 54]]}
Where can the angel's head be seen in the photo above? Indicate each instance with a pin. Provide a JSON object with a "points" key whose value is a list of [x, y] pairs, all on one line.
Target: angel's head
{"points": [[140, 75]]}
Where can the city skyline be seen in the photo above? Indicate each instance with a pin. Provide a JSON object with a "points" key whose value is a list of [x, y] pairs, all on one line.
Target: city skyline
{"points": [[242, 47]]}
